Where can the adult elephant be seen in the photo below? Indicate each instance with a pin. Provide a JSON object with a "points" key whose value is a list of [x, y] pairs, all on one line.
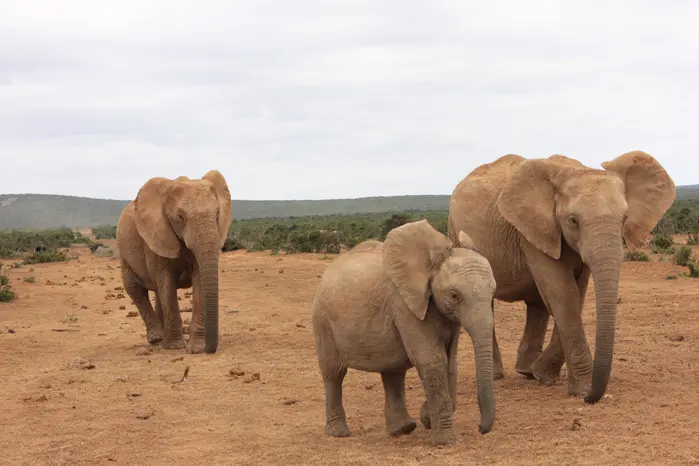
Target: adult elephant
{"points": [[545, 225], [170, 237]]}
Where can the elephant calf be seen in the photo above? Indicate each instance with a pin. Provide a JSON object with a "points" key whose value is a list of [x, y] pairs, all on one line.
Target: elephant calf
{"points": [[387, 307]]}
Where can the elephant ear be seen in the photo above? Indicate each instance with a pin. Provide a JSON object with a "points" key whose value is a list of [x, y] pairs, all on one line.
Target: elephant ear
{"points": [[410, 253], [151, 222], [224, 203], [528, 202], [649, 193], [466, 242]]}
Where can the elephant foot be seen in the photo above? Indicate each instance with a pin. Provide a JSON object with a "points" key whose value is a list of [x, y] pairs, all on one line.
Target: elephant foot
{"points": [[546, 374], [337, 428], [401, 427], [444, 437], [154, 336], [195, 345], [579, 387], [425, 416], [525, 363], [498, 374], [173, 343]]}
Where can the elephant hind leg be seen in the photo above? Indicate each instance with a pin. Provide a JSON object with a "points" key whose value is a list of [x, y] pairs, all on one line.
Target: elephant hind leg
{"points": [[532, 342], [333, 371], [398, 421], [139, 294]]}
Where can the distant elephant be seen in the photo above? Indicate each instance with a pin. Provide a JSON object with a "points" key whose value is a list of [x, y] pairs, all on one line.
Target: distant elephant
{"points": [[169, 238], [545, 225], [387, 307]]}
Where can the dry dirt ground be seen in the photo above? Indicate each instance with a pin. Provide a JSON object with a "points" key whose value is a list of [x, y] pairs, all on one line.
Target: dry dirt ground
{"points": [[82, 386]]}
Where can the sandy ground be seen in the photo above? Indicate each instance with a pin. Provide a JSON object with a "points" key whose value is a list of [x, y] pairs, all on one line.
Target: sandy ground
{"points": [[97, 393]]}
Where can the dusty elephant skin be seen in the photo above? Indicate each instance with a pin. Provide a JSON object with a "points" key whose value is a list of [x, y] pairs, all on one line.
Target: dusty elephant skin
{"points": [[545, 225], [170, 237], [387, 307]]}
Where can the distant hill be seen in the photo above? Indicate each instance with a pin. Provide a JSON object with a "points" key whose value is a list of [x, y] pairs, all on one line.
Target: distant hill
{"points": [[52, 211]]}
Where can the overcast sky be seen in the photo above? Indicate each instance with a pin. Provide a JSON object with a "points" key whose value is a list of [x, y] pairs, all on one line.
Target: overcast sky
{"points": [[329, 99]]}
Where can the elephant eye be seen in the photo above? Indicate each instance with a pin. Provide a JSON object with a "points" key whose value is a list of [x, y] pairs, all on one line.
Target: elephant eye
{"points": [[453, 295], [573, 220]]}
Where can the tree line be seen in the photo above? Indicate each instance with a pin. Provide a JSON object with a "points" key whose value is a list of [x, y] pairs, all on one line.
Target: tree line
{"points": [[322, 234]]}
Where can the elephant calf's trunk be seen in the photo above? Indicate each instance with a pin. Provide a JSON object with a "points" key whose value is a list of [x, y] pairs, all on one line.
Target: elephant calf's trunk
{"points": [[481, 332]]}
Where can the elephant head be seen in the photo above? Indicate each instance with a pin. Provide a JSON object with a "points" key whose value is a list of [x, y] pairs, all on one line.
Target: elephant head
{"points": [[424, 265], [595, 212], [193, 214]]}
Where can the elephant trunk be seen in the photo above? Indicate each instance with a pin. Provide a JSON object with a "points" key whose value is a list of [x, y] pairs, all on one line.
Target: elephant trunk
{"points": [[604, 261], [481, 332], [207, 257]]}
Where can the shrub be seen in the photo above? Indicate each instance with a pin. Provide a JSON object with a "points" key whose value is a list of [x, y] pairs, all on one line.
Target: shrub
{"points": [[93, 246], [30, 279], [13, 243], [232, 244], [662, 244], [104, 232], [693, 269], [7, 294], [693, 238], [683, 255], [636, 256], [44, 257]]}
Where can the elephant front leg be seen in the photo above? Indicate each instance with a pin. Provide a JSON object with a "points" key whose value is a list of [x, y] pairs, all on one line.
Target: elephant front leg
{"points": [[167, 292], [553, 357], [560, 293], [196, 327], [139, 295], [498, 369], [451, 380], [159, 311], [439, 405], [398, 421]]}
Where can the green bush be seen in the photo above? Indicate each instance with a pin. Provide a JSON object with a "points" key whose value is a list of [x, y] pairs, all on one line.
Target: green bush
{"points": [[14, 243], [322, 234], [693, 238], [44, 257], [662, 244], [104, 232], [232, 244], [636, 256], [693, 269], [6, 292], [93, 246], [683, 255]]}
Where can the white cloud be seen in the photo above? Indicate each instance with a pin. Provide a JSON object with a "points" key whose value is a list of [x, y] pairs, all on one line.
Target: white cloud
{"points": [[336, 99]]}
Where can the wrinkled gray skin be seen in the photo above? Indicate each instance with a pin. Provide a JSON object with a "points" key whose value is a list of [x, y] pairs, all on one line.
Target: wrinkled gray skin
{"points": [[170, 237], [546, 226], [387, 307]]}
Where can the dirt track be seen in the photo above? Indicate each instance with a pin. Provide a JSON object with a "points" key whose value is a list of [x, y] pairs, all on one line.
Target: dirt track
{"points": [[128, 408]]}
